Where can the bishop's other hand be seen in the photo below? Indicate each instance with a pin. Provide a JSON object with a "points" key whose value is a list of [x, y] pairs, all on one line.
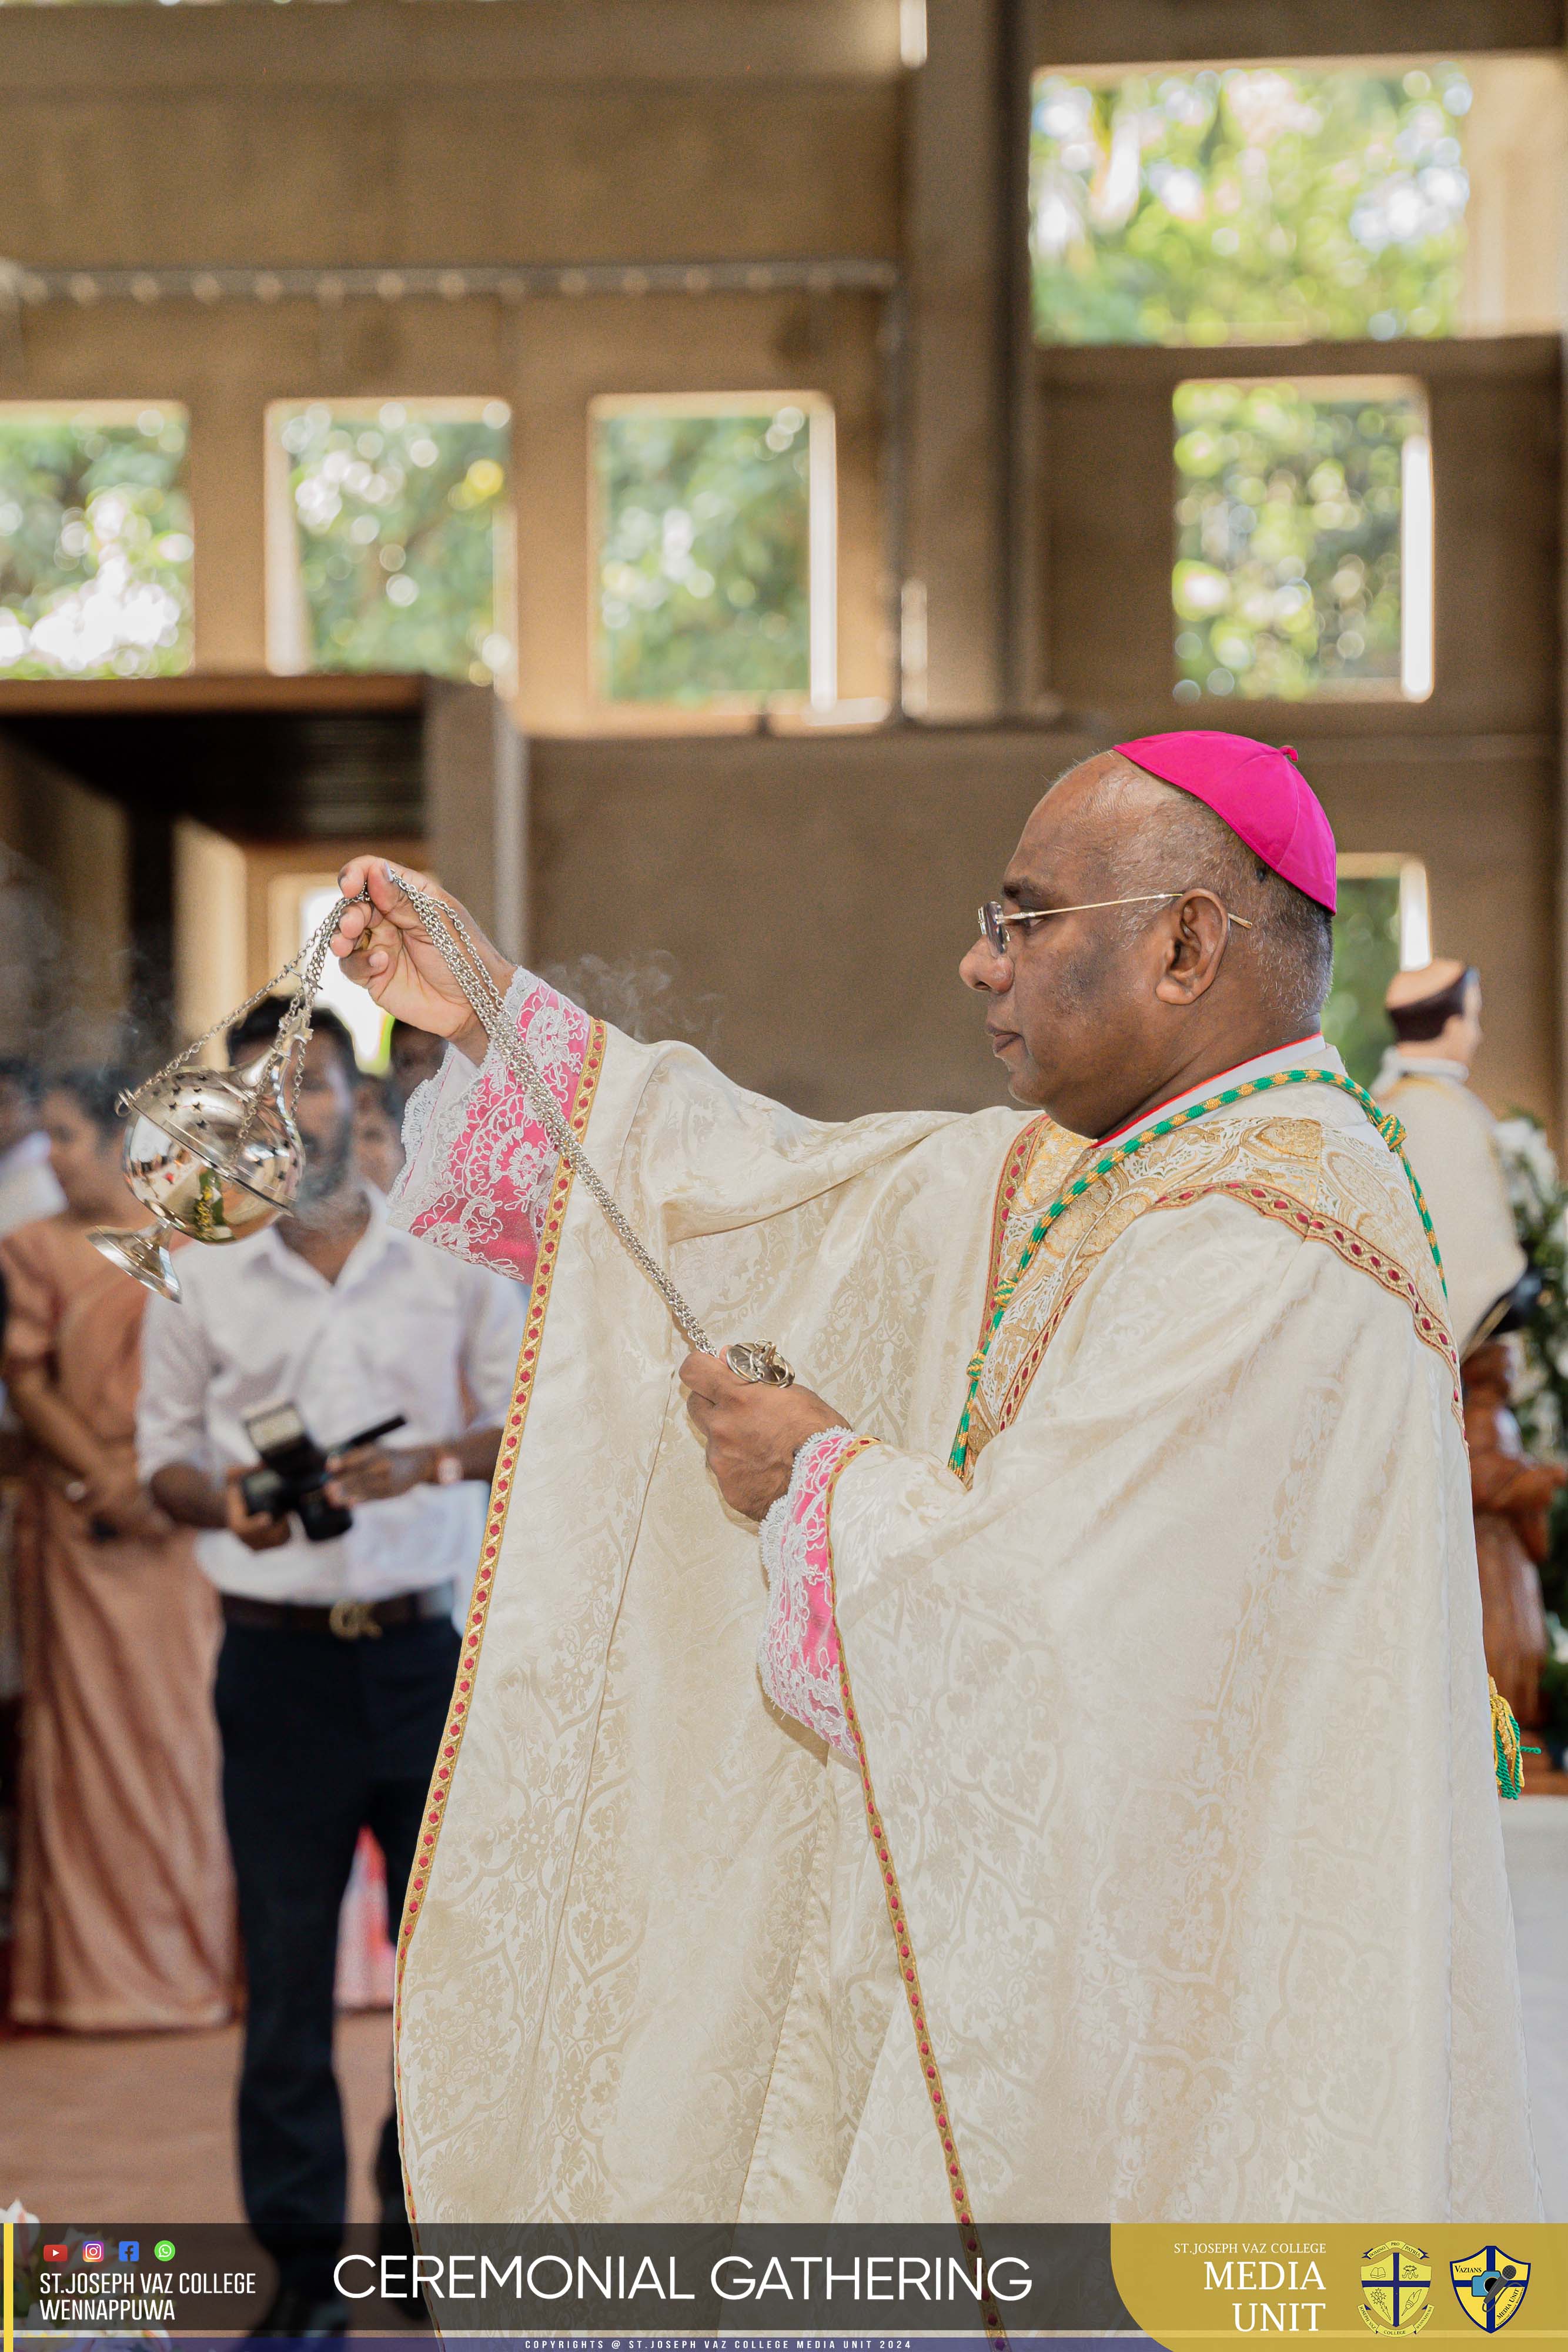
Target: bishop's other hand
{"points": [[385, 948], [752, 1433]]}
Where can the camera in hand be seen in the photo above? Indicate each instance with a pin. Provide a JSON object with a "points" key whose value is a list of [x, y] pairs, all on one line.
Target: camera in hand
{"points": [[293, 1472]]}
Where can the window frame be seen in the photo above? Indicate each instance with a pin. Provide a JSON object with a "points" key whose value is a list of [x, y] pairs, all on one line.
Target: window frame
{"points": [[1415, 895], [116, 411], [821, 696], [1378, 63], [287, 630], [1417, 539]]}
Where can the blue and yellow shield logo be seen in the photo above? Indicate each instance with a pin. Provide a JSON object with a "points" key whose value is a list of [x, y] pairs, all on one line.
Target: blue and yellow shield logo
{"points": [[1490, 2286], [1396, 2289]]}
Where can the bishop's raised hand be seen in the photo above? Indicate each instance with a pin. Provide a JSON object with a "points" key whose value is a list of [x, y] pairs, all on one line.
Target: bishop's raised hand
{"points": [[385, 948]]}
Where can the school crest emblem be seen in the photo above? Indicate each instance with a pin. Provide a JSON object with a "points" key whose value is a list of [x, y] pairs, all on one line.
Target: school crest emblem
{"points": [[1396, 2289], [1490, 2286]]}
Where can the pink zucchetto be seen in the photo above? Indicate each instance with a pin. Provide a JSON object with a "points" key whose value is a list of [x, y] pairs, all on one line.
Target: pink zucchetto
{"points": [[1260, 793]]}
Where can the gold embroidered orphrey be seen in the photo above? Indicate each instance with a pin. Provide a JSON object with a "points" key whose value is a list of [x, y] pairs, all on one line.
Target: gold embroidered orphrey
{"points": [[1327, 1183]]}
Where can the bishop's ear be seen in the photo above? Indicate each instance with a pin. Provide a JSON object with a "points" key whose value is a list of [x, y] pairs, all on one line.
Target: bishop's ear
{"points": [[1195, 931]]}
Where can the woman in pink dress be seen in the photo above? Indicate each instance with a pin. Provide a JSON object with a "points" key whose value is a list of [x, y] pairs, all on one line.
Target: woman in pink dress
{"points": [[124, 1911]]}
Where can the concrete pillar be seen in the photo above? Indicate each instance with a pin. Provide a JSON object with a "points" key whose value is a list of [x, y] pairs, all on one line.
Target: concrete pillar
{"points": [[476, 807], [958, 393], [227, 504]]}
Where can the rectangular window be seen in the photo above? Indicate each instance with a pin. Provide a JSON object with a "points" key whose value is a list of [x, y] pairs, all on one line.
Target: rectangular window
{"points": [[716, 550], [1303, 539], [1382, 926], [95, 540], [389, 538], [1251, 204]]}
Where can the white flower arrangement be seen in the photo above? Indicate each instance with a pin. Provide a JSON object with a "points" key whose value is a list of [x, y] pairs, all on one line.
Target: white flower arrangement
{"points": [[1534, 1184], [1539, 1204]]}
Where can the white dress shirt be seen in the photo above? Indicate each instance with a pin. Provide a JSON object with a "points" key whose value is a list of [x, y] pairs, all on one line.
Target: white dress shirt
{"points": [[28, 1187], [405, 1328]]}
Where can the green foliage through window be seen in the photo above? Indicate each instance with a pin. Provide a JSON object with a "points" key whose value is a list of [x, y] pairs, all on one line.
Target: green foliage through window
{"points": [[1365, 959], [704, 558], [1289, 546], [1258, 204], [396, 512], [95, 542]]}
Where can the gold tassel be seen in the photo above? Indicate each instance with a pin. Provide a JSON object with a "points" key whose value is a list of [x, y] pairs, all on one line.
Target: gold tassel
{"points": [[1506, 1745]]}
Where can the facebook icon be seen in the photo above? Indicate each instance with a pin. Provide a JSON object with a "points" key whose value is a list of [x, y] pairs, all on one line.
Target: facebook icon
{"points": [[130, 2250]]}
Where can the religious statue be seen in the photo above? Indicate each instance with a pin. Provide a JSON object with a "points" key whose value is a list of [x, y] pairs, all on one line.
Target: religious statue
{"points": [[1451, 1138]]}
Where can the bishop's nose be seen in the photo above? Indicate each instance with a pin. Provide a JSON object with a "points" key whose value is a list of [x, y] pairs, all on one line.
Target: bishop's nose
{"points": [[983, 969]]}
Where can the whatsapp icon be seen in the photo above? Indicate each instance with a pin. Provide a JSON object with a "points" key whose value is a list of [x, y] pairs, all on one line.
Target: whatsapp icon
{"points": [[164, 2251]]}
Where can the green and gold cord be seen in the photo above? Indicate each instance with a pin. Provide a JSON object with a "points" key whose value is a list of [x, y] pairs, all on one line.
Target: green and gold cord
{"points": [[1384, 1121]]}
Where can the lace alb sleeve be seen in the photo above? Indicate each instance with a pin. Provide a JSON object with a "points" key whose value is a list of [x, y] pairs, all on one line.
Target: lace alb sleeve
{"points": [[798, 1656], [480, 1167]]}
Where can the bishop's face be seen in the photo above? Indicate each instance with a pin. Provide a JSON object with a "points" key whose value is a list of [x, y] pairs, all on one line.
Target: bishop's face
{"points": [[1072, 1012], [1039, 1017]]}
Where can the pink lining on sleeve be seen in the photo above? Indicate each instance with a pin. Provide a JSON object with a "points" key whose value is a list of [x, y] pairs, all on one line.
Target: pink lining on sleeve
{"points": [[485, 1199], [798, 1655]]}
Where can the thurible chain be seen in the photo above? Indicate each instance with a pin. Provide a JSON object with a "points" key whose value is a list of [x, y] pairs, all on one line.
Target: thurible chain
{"points": [[450, 935], [455, 943]]}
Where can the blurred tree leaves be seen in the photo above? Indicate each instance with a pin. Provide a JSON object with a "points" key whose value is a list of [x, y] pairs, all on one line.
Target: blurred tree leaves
{"points": [[1365, 959], [95, 543], [704, 555], [1251, 205], [1288, 553], [395, 511]]}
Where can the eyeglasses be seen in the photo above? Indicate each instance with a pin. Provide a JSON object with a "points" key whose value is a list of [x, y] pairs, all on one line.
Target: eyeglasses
{"points": [[996, 920]]}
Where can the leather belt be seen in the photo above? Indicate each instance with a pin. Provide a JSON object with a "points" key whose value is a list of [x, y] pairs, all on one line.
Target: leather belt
{"points": [[348, 1621]]}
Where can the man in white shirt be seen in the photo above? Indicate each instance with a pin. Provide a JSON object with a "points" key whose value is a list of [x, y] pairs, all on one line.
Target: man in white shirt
{"points": [[339, 1656]]}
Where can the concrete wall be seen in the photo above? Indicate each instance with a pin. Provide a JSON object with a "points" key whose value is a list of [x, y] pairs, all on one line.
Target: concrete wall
{"points": [[65, 942], [811, 898], [379, 132], [799, 908], [822, 889], [378, 136], [1135, 32], [373, 134], [1467, 778], [1108, 536]]}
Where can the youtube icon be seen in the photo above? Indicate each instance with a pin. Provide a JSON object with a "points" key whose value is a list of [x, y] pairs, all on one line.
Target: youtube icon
{"points": [[54, 2255]]}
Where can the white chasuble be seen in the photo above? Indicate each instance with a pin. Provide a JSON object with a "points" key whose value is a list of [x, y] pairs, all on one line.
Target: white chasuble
{"points": [[1162, 1877], [1450, 1138]]}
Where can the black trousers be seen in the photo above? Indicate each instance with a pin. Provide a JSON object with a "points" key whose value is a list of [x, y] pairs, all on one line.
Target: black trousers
{"points": [[320, 1738]]}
